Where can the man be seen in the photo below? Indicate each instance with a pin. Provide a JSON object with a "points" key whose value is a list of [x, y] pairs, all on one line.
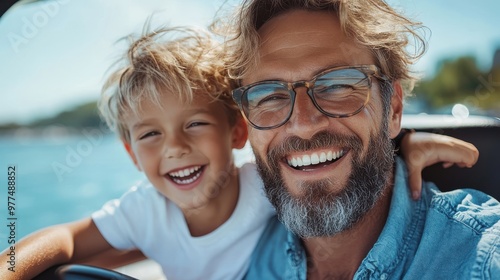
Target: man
{"points": [[322, 84]]}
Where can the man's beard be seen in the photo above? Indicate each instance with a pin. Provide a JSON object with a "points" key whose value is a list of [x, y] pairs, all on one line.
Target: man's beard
{"points": [[318, 211]]}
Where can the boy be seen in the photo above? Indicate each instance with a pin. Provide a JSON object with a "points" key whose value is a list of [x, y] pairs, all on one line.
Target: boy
{"points": [[198, 215]]}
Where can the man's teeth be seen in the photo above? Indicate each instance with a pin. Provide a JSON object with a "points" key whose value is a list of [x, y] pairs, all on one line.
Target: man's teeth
{"points": [[314, 158], [184, 172]]}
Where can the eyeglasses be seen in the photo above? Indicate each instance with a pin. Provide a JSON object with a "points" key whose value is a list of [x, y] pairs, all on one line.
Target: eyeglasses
{"points": [[338, 92]]}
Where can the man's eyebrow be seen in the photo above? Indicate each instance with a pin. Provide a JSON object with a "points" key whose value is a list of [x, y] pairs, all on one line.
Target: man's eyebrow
{"points": [[316, 72]]}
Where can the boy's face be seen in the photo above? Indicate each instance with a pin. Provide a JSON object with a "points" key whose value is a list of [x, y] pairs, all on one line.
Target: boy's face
{"points": [[185, 150]]}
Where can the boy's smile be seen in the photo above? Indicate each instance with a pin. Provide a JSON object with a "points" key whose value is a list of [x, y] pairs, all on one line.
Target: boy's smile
{"points": [[186, 176], [185, 149]]}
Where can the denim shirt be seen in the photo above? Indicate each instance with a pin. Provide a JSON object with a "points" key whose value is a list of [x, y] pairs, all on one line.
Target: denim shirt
{"points": [[452, 235]]}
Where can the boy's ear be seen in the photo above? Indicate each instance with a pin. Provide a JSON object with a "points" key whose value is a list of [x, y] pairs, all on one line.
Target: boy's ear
{"points": [[240, 133], [396, 109], [131, 153]]}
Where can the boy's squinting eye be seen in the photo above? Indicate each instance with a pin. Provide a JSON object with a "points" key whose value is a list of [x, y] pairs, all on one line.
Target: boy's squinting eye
{"points": [[149, 134], [195, 124]]}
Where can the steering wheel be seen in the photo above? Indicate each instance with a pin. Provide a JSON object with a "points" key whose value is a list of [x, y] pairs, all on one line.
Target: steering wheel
{"points": [[81, 272]]}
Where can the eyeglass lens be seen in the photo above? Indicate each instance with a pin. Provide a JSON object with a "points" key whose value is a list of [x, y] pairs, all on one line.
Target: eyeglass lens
{"points": [[337, 92]]}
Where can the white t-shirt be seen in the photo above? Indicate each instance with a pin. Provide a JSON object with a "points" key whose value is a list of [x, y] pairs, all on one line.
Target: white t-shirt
{"points": [[144, 219]]}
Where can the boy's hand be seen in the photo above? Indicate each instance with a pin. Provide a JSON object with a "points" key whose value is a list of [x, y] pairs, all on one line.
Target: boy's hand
{"points": [[421, 149], [71, 242]]}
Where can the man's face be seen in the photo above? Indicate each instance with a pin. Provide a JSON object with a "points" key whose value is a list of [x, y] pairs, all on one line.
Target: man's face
{"points": [[328, 197]]}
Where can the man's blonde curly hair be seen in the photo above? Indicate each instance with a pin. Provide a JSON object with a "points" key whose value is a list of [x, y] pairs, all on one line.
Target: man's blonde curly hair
{"points": [[371, 23], [187, 66]]}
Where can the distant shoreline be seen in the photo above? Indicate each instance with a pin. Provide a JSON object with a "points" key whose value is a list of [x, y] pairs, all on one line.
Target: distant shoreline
{"points": [[53, 131], [73, 121]]}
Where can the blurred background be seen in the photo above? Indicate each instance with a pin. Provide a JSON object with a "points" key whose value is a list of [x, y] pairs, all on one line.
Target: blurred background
{"points": [[55, 55]]}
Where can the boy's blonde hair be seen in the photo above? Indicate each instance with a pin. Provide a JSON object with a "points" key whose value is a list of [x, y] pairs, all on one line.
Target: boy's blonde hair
{"points": [[187, 67]]}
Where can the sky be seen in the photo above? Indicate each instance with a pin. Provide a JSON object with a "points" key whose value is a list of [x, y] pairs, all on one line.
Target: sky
{"points": [[55, 55]]}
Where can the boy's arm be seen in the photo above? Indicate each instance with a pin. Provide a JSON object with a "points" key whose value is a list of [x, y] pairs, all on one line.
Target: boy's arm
{"points": [[422, 149], [51, 246], [114, 258]]}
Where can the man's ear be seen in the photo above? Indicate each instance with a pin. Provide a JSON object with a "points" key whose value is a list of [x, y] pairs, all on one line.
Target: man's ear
{"points": [[240, 133], [131, 153], [396, 109]]}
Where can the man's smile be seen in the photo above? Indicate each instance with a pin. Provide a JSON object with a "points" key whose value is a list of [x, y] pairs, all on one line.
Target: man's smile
{"points": [[314, 158]]}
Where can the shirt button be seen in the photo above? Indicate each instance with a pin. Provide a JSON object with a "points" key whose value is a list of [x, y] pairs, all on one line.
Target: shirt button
{"points": [[383, 276]]}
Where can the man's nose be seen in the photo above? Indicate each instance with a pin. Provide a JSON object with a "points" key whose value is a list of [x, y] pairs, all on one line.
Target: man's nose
{"points": [[306, 120], [176, 146]]}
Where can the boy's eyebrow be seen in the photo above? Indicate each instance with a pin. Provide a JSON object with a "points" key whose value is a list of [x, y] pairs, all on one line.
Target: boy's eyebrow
{"points": [[193, 111], [142, 123], [198, 110]]}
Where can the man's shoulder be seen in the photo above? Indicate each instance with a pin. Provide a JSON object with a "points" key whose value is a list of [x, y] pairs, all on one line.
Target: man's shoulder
{"points": [[472, 208], [270, 259], [461, 230]]}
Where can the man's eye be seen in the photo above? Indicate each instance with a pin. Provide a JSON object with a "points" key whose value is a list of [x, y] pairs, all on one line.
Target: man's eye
{"points": [[333, 89], [276, 97], [149, 134]]}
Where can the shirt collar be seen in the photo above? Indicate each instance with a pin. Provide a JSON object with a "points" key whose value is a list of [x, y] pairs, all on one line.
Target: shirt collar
{"points": [[401, 228]]}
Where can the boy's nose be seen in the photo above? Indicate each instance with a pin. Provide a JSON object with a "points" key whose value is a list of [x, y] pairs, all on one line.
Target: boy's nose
{"points": [[176, 147]]}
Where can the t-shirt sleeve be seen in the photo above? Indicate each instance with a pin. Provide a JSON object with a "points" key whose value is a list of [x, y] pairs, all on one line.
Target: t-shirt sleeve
{"points": [[119, 220]]}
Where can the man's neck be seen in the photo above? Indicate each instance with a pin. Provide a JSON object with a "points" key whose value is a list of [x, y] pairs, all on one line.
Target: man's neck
{"points": [[339, 257]]}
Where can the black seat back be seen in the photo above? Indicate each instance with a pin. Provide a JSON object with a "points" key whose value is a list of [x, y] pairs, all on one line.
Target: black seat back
{"points": [[484, 133]]}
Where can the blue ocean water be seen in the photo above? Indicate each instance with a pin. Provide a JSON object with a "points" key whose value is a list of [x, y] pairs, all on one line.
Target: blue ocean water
{"points": [[62, 177]]}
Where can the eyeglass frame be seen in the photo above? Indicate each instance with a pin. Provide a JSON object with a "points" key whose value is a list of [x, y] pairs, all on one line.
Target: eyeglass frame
{"points": [[368, 70]]}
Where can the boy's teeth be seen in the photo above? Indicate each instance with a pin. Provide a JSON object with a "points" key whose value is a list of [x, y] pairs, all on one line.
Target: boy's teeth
{"points": [[184, 172], [314, 158], [186, 181]]}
